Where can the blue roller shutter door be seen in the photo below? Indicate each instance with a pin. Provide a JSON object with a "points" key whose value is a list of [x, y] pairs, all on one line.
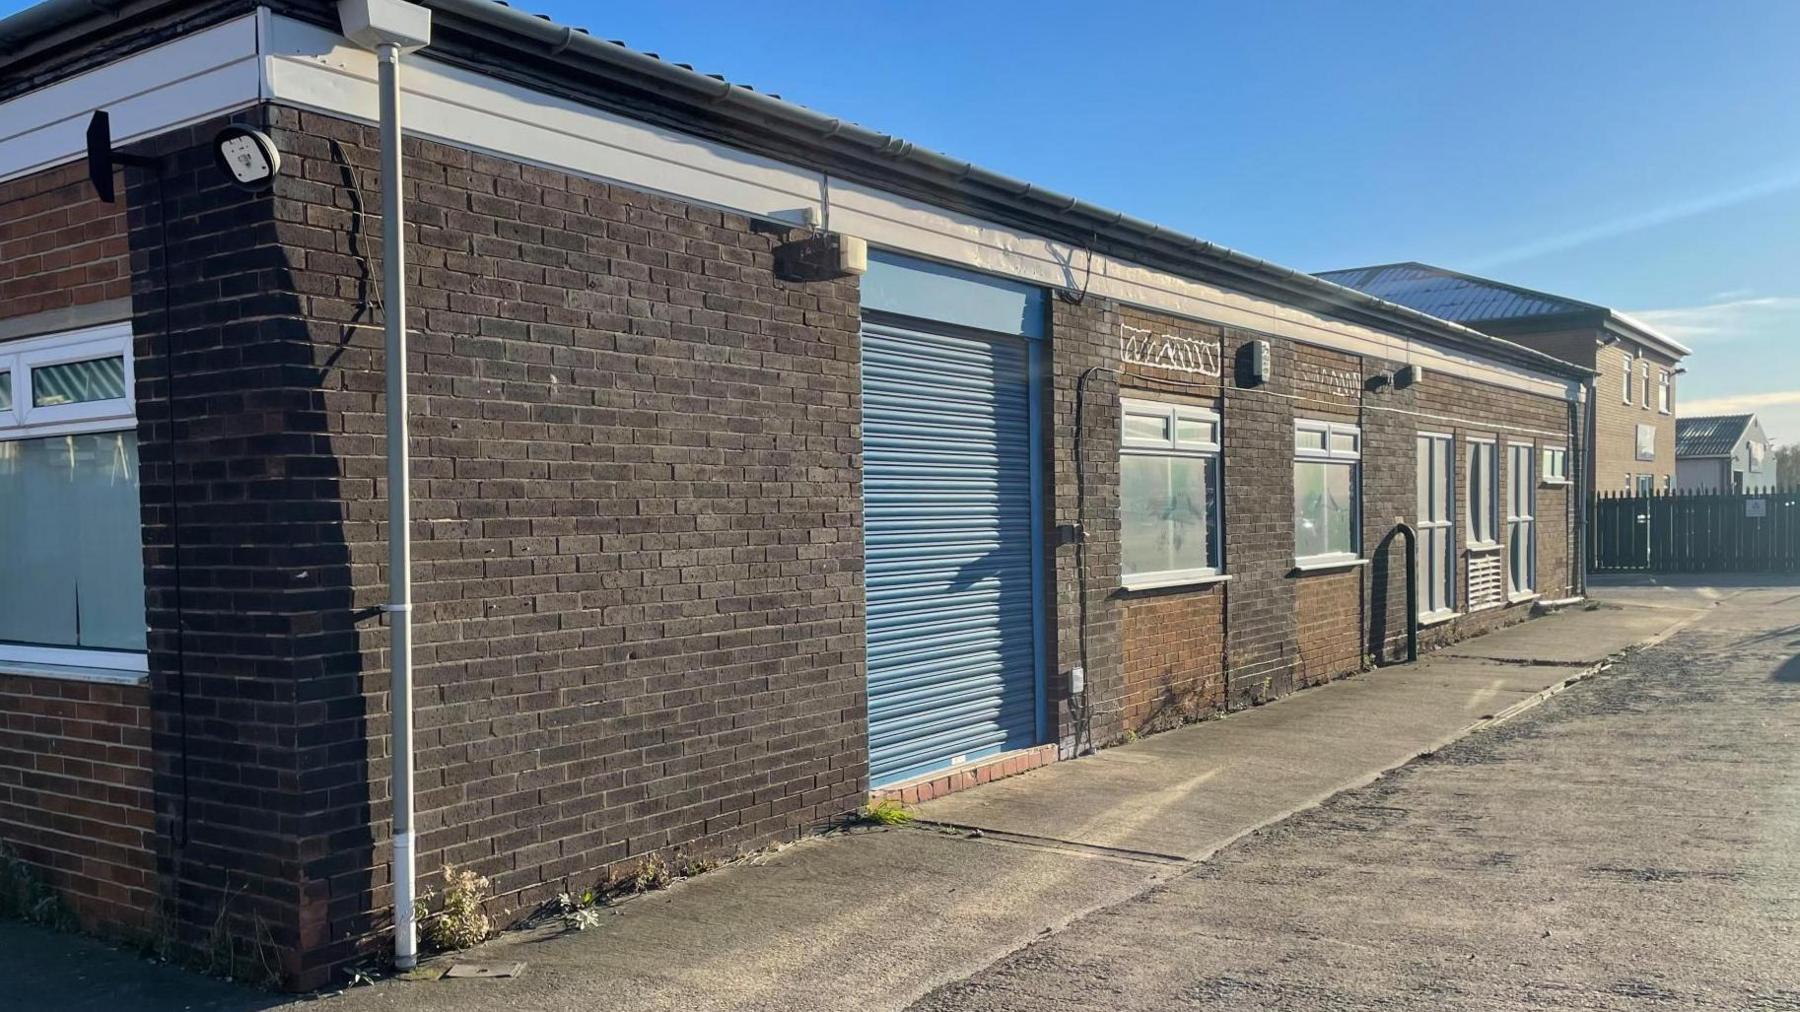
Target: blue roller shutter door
{"points": [[947, 503]]}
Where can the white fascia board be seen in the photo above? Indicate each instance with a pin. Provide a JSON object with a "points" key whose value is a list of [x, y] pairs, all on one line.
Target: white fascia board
{"points": [[909, 225], [183, 81], [317, 69]]}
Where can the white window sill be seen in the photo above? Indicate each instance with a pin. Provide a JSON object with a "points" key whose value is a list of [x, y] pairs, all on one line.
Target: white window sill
{"points": [[1327, 563], [73, 673], [1437, 617], [1159, 581], [1555, 482], [1484, 546], [1521, 598]]}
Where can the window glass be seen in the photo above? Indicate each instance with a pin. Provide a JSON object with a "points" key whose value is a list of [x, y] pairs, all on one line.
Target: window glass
{"points": [[71, 543], [1344, 442], [1484, 480], [1168, 494], [100, 379], [1195, 430], [1146, 427], [5, 391], [1309, 439], [1324, 508], [1625, 389]]}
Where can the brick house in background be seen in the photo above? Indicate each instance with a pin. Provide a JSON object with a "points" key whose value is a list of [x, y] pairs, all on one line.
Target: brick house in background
{"points": [[707, 546], [1635, 367]]}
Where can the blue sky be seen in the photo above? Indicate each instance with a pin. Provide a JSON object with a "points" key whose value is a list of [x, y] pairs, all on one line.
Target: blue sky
{"points": [[1643, 156]]}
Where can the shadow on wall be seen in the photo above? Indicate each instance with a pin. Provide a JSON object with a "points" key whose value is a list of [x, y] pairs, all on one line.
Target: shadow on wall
{"points": [[263, 809]]}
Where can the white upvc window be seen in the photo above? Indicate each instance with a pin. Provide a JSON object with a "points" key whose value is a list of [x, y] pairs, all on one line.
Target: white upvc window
{"points": [[1665, 394], [1644, 371], [1521, 521], [1436, 479], [1327, 463], [1625, 387], [1484, 494], [71, 535], [1556, 465], [1168, 494]]}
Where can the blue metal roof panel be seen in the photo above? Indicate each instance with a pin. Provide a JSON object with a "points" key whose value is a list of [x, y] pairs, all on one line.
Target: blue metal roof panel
{"points": [[1451, 296]]}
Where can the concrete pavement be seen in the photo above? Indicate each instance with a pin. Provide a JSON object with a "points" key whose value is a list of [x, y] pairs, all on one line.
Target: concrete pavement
{"points": [[877, 919], [1631, 844]]}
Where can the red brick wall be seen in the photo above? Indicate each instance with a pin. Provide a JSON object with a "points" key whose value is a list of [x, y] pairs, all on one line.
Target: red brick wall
{"points": [[75, 793], [1329, 607], [1173, 657], [59, 245]]}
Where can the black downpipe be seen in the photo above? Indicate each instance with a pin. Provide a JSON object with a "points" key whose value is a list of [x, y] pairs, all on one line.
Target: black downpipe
{"points": [[1083, 715], [1411, 537]]}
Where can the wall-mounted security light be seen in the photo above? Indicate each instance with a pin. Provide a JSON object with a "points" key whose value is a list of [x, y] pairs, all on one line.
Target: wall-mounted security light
{"points": [[247, 157], [1409, 376]]}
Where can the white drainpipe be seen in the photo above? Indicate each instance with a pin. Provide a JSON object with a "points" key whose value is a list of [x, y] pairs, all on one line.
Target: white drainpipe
{"points": [[390, 28]]}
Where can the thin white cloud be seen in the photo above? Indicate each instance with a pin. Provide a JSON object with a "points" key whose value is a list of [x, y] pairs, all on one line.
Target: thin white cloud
{"points": [[1739, 403], [1748, 190], [1726, 320]]}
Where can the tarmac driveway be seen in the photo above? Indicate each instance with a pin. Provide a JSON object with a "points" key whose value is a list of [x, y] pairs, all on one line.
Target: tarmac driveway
{"points": [[1633, 843]]}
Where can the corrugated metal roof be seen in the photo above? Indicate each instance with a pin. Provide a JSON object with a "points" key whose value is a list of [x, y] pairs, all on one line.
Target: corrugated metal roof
{"points": [[1452, 296], [1710, 435]]}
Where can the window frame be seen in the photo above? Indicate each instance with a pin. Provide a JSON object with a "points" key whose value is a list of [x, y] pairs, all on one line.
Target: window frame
{"points": [[1516, 522], [1644, 374], [1665, 391], [26, 421], [1173, 445], [1494, 516], [1630, 376], [1558, 475], [1330, 455], [1427, 615]]}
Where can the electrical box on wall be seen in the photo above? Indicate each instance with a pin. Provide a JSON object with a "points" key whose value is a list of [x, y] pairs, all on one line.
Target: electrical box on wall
{"points": [[821, 257], [1258, 365]]}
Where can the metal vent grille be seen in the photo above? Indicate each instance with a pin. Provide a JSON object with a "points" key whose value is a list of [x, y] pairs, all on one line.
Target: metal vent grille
{"points": [[1485, 587]]}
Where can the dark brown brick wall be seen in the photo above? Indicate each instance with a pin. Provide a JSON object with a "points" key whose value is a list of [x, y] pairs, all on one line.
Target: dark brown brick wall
{"points": [[59, 245], [75, 794], [1173, 657], [638, 551], [1280, 629]]}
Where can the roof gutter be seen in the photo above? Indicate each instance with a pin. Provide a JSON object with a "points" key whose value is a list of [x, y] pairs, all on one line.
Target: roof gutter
{"points": [[563, 43], [51, 16]]}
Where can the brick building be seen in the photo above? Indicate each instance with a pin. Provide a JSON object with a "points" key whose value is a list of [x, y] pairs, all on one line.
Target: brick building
{"points": [[1633, 413], [708, 542]]}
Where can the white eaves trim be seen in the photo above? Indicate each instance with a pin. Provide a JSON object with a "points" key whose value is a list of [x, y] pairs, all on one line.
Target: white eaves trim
{"points": [[269, 57], [313, 68], [183, 81]]}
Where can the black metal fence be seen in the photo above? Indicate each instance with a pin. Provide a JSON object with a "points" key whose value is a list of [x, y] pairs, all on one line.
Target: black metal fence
{"points": [[1695, 532]]}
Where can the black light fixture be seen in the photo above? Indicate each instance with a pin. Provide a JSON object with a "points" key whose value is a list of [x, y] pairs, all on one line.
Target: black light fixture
{"points": [[101, 157], [246, 156]]}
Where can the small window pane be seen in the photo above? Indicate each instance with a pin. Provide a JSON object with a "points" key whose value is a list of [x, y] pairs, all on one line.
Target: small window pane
{"points": [[1143, 536], [1343, 442], [5, 391], [1190, 504], [1154, 428], [100, 379], [1309, 439], [1195, 430], [1309, 508]]}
